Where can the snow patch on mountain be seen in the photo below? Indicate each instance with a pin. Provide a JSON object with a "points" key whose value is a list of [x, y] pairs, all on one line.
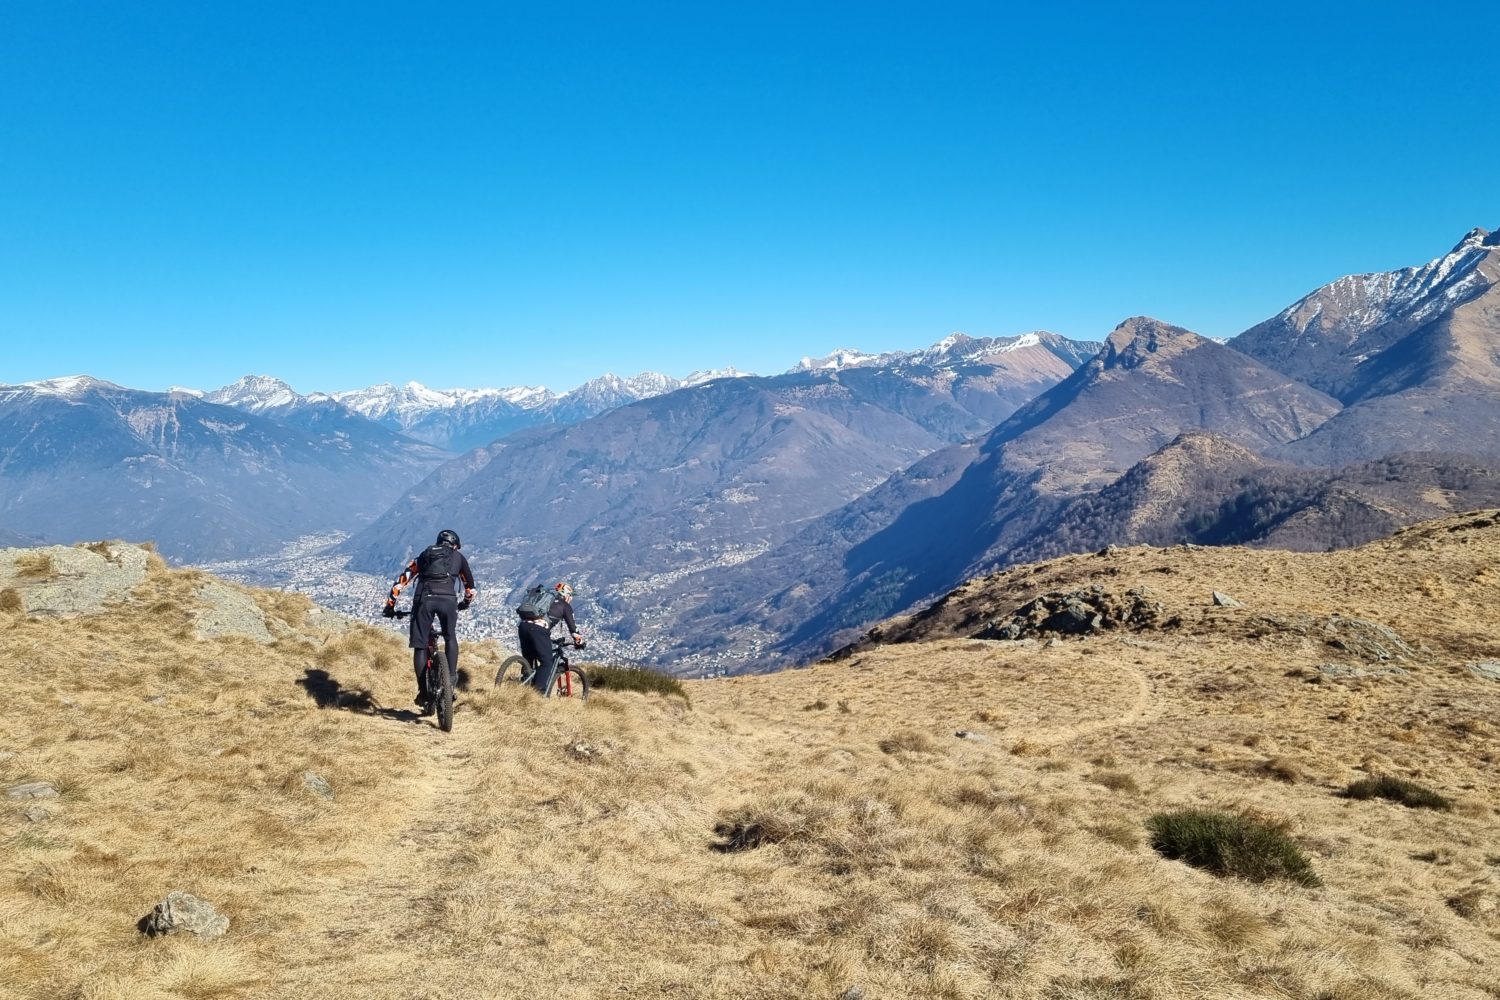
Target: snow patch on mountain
{"points": [[1360, 302], [954, 349], [69, 386], [256, 394]]}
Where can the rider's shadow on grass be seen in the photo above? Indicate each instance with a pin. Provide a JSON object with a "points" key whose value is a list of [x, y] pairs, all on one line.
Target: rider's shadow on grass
{"points": [[327, 692]]}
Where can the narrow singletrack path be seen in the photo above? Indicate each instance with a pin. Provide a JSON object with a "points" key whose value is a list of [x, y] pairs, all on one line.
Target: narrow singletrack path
{"points": [[379, 919]]}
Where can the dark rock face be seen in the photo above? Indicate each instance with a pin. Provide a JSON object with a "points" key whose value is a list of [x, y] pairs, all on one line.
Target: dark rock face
{"points": [[1077, 612]]}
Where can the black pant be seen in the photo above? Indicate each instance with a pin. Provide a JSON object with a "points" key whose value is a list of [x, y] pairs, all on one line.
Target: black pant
{"points": [[536, 646], [445, 608]]}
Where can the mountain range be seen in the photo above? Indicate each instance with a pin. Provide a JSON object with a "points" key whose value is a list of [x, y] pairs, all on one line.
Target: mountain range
{"points": [[81, 458], [780, 515]]}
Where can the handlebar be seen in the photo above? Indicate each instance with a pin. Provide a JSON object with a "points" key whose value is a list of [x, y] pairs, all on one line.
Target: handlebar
{"points": [[462, 606]]}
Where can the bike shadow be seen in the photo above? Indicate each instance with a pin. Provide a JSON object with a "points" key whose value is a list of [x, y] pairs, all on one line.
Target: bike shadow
{"points": [[327, 692]]}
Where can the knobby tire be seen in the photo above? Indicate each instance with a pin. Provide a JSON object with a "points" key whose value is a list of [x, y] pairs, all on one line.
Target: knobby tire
{"points": [[577, 680], [444, 692], [512, 669]]}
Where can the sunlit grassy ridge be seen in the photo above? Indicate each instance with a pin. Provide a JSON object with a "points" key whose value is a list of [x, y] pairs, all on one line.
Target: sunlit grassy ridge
{"points": [[952, 818]]}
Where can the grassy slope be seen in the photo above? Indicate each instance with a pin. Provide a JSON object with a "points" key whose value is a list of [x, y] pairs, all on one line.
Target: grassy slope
{"points": [[568, 850]]}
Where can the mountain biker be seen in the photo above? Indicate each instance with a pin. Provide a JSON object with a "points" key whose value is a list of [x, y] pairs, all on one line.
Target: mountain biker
{"points": [[535, 635], [434, 570]]}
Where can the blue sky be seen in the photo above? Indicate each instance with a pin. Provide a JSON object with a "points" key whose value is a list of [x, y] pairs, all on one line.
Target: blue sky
{"points": [[342, 194]]}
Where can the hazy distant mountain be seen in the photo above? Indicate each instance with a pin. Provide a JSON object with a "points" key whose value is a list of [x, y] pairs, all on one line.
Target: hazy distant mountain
{"points": [[81, 459], [1024, 352], [709, 475], [460, 419]]}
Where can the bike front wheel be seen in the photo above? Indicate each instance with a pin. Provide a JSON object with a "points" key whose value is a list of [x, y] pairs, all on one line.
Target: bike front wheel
{"points": [[443, 692], [513, 670], [572, 683]]}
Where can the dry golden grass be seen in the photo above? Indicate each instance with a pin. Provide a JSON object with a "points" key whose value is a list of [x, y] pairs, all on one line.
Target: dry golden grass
{"points": [[749, 846], [34, 566]]}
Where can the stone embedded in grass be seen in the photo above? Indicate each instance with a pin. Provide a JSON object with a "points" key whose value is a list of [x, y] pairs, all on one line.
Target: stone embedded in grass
{"points": [[1367, 640], [317, 784], [1488, 669], [1225, 601], [36, 814], [1344, 670], [183, 912], [32, 790], [1225, 844]]}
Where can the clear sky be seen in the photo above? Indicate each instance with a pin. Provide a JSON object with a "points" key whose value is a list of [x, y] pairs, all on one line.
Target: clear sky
{"points": [[500, 194]]}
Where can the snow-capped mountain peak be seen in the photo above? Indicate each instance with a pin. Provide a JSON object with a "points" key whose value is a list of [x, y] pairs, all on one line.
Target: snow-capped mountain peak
{"points": [[256, 393], [842, 357], [70, 386]]}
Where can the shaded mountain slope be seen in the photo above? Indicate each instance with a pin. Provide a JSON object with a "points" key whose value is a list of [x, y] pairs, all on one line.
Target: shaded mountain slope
{"points": [[704, 476], [1203, 488], [904, 540]]}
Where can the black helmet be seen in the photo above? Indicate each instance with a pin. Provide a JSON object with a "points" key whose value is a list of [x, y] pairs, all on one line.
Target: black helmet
{"points": [[447, 537]]}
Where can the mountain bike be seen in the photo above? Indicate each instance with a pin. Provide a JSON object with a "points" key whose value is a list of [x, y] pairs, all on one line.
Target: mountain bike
{"points": [[570, 682], [436, 679]]}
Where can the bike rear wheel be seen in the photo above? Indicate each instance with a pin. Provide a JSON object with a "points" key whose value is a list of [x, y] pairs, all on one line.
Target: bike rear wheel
{"points": [[513, 670], [443, 692]]}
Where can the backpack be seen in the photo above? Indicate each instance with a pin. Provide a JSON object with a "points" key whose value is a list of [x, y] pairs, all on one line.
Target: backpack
{"points": [[435, 564], [535, 604]]}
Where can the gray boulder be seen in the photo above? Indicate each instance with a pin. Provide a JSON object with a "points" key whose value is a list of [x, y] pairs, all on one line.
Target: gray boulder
{"points": [[183, 912], [1225, 601], [32, 790], [1366, 640], [1488, 669]]}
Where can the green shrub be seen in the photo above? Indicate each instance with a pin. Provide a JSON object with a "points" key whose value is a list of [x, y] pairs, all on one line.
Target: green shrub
{"points": [[1243, 846], [1408, 793], [635, 679]]}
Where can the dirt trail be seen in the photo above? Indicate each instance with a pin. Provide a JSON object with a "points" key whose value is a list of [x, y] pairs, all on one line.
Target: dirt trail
{"points": [[1145, 704], [384, 909]]}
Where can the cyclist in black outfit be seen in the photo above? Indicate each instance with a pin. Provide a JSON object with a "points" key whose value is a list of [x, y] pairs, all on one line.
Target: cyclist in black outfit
{"points": [[535, 635], [435, 571]]}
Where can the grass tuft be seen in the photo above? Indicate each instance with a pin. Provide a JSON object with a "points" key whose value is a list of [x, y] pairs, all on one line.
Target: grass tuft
{"points": [[10, 600], [640, 679], [911, 740], [1117, 781], [36, 566], [1408, 793], [1225, 844]]}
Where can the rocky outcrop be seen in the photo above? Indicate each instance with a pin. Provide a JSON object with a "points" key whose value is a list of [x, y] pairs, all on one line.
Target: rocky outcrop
{"points": [[1077, 612], [68, 580]]}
